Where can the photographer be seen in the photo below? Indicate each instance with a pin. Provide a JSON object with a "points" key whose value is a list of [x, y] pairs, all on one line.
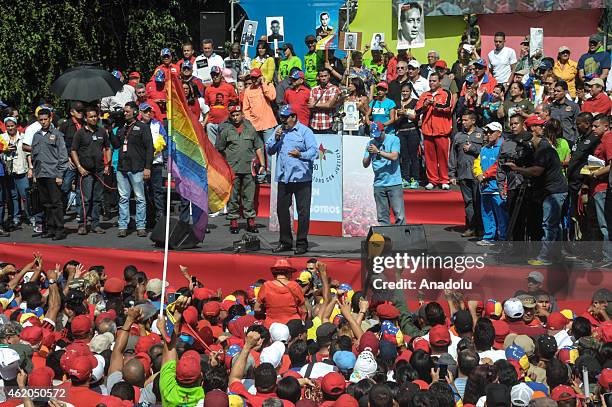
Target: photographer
{"points": [[549, 188], [516, 149]]}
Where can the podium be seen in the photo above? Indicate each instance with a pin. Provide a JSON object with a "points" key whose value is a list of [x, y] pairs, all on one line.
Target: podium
{"points": [[342, 202]]}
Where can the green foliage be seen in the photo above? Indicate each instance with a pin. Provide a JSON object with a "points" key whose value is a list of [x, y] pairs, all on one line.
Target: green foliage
{"points": [[39, 40]]}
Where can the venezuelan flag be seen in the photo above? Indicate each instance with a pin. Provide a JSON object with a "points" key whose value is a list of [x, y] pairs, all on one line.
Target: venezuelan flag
{"points": [[201, 174]]}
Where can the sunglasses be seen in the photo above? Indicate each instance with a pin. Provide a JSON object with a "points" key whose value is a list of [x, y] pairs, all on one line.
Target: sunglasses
{"points": [[311, 42]]}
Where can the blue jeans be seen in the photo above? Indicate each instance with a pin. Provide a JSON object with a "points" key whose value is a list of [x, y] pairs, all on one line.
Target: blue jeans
{"points": [[69, 176], [600, 203], [552, 213], [494, 216], [126, 182], [390, 196], [17, 184]]}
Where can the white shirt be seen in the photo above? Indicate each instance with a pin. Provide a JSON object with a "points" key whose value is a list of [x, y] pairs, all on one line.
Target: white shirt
{"points": [[501, 62], [126, 94], [203, 65], [421, 85], [492, 354], [563, 339], [319, 370]]}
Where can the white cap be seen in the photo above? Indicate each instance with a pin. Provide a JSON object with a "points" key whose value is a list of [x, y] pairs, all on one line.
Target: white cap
{"points": [[513, 308], [365, 366], [279, 332], [9, 363], [414, 63], [98, 372], [520, 395], [101, 342], [273, 354], [494, 126]]}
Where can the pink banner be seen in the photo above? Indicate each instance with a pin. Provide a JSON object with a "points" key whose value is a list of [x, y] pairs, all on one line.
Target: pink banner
{"points": [[569, 28]]}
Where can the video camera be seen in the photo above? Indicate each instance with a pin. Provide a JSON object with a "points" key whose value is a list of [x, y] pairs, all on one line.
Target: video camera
{"points": [[522, 156]]}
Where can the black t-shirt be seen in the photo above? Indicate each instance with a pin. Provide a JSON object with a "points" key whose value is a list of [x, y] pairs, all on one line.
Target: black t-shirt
{"points": [[584, 146], [90, 146], [552, 180]]}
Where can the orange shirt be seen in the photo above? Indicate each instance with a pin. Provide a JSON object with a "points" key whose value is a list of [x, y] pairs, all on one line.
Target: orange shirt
{"points": [[257, 106]]}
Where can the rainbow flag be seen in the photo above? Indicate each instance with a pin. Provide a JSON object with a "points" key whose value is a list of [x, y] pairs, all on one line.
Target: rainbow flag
{"points": [[200, 172]]}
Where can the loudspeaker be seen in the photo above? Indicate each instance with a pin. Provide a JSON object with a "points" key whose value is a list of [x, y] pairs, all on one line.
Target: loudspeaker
{"points": [[403, 237], [212, 25], [181, 235]]}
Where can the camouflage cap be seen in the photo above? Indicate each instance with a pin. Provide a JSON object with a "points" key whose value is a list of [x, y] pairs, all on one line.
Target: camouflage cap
{"points": [[11, 328]]}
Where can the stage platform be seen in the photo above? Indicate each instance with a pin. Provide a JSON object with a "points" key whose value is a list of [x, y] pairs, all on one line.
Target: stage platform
{"points": [[214, 263], [435, 207]]}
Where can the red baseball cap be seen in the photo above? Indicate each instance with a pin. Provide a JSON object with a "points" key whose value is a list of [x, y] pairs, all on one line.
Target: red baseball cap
{"points": [[333, 384], [114, 285], [564, 392], [556, 321], [80, 325], [41, 377], [112, 314], [144, 343], [145, 359], [387, 311], [113, 401], [78, 364], [502, 329], [202, 293], [440, 64], [383, 85], [188, 367], [255, 73], [211, 309], [439, 336], [421, 343], [422, 384], [190, 315], [32, 335], [369, 340]]}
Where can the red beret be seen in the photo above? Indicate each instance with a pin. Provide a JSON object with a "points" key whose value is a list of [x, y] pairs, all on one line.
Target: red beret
{"points": [[234, 108], [369, 340], [114, 285], [387, 311]]}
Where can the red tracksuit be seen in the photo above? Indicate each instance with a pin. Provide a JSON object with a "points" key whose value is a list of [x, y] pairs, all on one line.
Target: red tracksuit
{"points": [[436, 129]]}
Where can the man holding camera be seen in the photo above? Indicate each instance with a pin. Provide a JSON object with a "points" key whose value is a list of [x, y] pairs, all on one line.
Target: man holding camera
{"points": [[549, 188], [513, 187]]}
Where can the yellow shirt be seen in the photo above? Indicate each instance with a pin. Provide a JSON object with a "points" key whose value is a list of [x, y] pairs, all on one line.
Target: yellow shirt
{"points": [[567, 72], [266, 66]]}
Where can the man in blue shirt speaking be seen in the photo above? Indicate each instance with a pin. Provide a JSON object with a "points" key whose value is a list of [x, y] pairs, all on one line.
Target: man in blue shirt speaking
{"points": [[295, 148], [383, 153]]}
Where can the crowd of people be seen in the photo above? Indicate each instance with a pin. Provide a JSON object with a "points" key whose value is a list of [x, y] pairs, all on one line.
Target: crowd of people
{"points": [[524, 136], [72, 336]]}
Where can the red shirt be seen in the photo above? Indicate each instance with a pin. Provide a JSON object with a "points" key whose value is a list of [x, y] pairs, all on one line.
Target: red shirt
{"points": [[604, 152], [156, 91], [298, 100], [170, 69], [253, 400], [218, 97], [437, 117], [487, 83], [598, 104], [520, 328], [157, 113], [82, 396]]}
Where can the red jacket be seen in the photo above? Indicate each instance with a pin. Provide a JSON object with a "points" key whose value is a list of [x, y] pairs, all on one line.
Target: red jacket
{"points": [[218, 99], [487, 83], [598, 104], [437, 117]]}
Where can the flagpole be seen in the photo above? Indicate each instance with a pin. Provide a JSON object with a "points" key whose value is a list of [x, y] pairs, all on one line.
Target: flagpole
{"points": [[168, 191]]}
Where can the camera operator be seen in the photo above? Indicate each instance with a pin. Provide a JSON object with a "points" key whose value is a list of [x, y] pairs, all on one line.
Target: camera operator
{"points": [[513, 187], [549, 188]]}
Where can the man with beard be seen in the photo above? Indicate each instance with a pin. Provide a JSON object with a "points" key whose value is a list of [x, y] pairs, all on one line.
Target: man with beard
{"points": [[240, 144]]}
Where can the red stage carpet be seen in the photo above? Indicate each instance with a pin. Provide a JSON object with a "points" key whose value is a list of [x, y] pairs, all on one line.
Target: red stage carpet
{"points": [[422, 207], [233, 271]]}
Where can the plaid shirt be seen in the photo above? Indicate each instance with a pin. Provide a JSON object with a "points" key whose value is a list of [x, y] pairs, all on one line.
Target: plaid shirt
{"points": [[322, 119]]}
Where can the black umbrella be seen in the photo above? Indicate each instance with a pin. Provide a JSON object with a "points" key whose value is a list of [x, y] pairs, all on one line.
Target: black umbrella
{"points": [[86, 83]]}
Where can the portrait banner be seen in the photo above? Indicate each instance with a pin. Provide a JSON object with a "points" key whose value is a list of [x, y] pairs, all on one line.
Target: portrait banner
{"points": [[350, 121], [410, 25], [326, 31], [275, 29], [248, 33], [536, 41], [377, 38], [349, 41]]}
